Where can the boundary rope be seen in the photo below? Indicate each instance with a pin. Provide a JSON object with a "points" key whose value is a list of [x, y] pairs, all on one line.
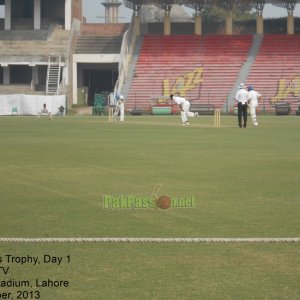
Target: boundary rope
{"points": [[149, 240]]}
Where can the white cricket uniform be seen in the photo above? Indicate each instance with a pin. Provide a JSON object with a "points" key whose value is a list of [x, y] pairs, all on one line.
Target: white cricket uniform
{"points": [[254, 97], [185, 105], [242, 96], [119, 109], [44, 111], [122, 109]]}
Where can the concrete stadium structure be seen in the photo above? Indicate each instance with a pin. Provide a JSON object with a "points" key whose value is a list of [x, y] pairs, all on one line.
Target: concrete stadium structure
{"points": [[48, 48]]}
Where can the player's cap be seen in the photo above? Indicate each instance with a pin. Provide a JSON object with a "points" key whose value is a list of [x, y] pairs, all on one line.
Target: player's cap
{"points": [[242, 85], [250, 88], [121, 97]]}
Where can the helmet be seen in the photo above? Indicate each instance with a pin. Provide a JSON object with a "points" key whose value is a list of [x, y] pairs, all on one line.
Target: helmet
{"points": [[250, 88], [242, 85]]}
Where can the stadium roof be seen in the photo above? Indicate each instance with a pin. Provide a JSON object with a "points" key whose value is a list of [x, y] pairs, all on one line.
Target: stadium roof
{"points": [[198, 4]]}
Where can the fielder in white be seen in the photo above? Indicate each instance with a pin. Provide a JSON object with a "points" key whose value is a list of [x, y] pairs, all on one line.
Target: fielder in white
{"points": [[119, 109], [184, 106], [44, 111], [254, 98]]}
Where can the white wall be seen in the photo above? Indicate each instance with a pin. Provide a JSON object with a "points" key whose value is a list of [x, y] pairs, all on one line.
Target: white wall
{"points": [[30, 104]]}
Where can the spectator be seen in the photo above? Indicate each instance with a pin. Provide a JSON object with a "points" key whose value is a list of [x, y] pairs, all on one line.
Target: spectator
{"points": [[61, 110]]}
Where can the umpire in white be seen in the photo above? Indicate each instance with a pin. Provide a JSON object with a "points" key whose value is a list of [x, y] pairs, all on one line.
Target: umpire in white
{"points": [[242, 97]]}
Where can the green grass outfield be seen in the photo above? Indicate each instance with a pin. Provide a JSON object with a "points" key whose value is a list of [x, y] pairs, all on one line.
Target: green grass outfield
{"points": [[245, 183]]}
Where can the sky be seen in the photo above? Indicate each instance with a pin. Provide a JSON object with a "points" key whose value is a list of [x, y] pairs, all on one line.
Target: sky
{"points": [[93, 10]]}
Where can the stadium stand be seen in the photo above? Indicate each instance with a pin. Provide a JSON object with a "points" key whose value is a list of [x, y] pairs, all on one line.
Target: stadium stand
{"points": [[204, 68], [276, 71], [98, 44], [22, 48], [30, 43]]}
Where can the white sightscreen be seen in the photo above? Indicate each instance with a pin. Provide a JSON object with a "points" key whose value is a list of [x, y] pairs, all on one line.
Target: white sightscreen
{"points": [[30, 105]]}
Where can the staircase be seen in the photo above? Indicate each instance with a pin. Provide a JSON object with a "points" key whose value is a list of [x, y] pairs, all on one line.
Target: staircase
{"points": [[53, 75], [245, 70], [131, 67]]}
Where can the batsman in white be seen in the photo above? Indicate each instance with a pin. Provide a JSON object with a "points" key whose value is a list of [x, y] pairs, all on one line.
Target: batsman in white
{"points": [[184, 106], [119, 109], [254, 97]]}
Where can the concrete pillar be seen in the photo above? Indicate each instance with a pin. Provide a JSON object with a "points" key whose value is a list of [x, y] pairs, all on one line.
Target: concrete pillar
{"points": [[35, 75], [167, 25], [137, 24], [65, 75], [198, 25], [75, 83], [228, 24], [6, 75], [68, 14], [7, 20], [111, 11], [115, 16], [37, 15], [259, 24], [290, 25]]}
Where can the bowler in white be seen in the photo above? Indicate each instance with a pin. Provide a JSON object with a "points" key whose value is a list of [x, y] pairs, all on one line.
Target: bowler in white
{"points": [[184, 106]]}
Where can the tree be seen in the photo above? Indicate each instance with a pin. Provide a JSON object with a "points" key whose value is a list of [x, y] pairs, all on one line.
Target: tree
{"points": [[218, 12]]}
